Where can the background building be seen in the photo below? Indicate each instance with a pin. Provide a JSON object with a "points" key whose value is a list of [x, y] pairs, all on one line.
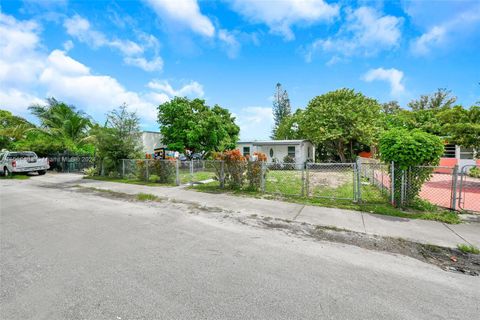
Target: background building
{"points": [[276, 150]]}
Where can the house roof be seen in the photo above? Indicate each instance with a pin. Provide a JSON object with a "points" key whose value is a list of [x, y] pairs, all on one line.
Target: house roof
{"points": [[273, 142]]}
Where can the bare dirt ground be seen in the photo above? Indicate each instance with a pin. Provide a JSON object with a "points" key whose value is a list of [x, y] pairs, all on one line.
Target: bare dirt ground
{"points": [[329, 179]]}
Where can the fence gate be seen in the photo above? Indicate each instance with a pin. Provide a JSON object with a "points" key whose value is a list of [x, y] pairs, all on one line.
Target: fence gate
{"points": [[469, 188], [70, 163], [332, 180]]}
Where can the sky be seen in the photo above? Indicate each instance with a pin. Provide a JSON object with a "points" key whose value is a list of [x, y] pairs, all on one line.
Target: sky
{"points": [[97, 55]]}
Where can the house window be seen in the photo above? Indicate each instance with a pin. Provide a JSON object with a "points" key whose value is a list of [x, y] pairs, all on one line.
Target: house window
{"points": [[308, 152], [271, 153], [449, 151], [246, 151], [291, 152]]}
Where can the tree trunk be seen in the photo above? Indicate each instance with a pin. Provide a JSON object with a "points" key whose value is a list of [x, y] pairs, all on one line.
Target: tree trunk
{"points": [[341, 151]]}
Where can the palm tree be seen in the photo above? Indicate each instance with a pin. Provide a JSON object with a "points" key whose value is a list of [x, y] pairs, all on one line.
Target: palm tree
{"points": [[62, 121]]}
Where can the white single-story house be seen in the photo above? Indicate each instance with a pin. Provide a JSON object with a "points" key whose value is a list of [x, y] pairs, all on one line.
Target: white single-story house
{"points": [[276, 150], [151, 140]]}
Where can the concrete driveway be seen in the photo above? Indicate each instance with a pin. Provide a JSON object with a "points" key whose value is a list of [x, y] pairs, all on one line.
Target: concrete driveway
{"points": [[71, 255]]}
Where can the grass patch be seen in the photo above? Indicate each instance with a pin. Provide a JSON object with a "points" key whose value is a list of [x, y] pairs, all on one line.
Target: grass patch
{"points": [[16, 177], [284, 182], [146, 197], [465, 248], [186, 177]]}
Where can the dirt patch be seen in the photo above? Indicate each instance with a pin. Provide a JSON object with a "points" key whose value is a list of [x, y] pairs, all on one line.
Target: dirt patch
{"points": [[328, 179], [448, 259]]}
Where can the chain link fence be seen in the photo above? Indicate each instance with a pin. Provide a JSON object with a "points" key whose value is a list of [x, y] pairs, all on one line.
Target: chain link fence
{"points": [[68, 163], [284, 178], [374, 182], [332, 181], [469, 188], [365, 181]]}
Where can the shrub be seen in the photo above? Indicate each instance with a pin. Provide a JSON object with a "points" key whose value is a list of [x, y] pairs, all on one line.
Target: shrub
{"points": [[254, 171], [141, 169], [90, 172], [235, 165], [288, 159], [410, 150], [474, 172], [164, 170], [153, 178]]}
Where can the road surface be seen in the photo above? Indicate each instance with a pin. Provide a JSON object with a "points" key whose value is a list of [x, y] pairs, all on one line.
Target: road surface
{"points": [[74, 255]]}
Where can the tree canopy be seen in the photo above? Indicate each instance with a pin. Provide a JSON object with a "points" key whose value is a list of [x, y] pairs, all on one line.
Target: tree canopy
{"points": [[281, 109], [191, 126], [118, 139], [341, 118]]}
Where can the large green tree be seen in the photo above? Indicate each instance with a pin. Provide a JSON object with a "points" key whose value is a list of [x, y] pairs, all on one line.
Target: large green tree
{"points": [[342, 118], [290, 127], [12, 129], [281, 109], [191, 126], [461, 126], [118, 139], [440, 99]]}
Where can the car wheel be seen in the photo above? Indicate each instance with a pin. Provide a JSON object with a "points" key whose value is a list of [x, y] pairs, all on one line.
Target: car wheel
{"points": [[41, 172], [6, 172]]}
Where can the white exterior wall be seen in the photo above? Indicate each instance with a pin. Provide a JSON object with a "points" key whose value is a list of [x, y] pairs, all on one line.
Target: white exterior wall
{"points": [[150, 141], [281, 150]]}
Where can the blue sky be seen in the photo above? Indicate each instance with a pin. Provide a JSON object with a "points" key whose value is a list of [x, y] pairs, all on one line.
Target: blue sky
{"points": [[100, 54]]}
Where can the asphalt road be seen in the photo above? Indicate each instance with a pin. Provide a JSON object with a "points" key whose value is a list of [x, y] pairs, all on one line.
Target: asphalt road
{"points": [[72, 255]]}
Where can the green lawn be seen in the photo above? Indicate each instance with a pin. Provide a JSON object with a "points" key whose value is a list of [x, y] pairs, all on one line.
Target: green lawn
{"points": [[185, 176], [16, 177], [286, 182]]}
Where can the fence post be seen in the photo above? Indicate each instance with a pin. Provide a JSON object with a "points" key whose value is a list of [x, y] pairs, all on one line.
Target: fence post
{"points": [[307, 181], [191, 171], [262, 181], [358, 177], [177, 172], [303, 178], [123, 168], [222, 174], [402, 188], [392, 182], [147, 174], [454, 187]]}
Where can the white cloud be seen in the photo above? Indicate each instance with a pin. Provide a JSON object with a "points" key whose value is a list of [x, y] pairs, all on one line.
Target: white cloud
{"points": [[20, 61], [232, 46], [192, 89], [365, 32], [434, 37], [147, 65], [42, 74], [280, 16], [393, 76], [68, 45], [457, 27], [133, 52], [183, 12], [255, 123], [17, 101]]}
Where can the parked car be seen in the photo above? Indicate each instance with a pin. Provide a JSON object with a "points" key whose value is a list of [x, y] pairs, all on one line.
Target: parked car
{"points": [[22, 162]]}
